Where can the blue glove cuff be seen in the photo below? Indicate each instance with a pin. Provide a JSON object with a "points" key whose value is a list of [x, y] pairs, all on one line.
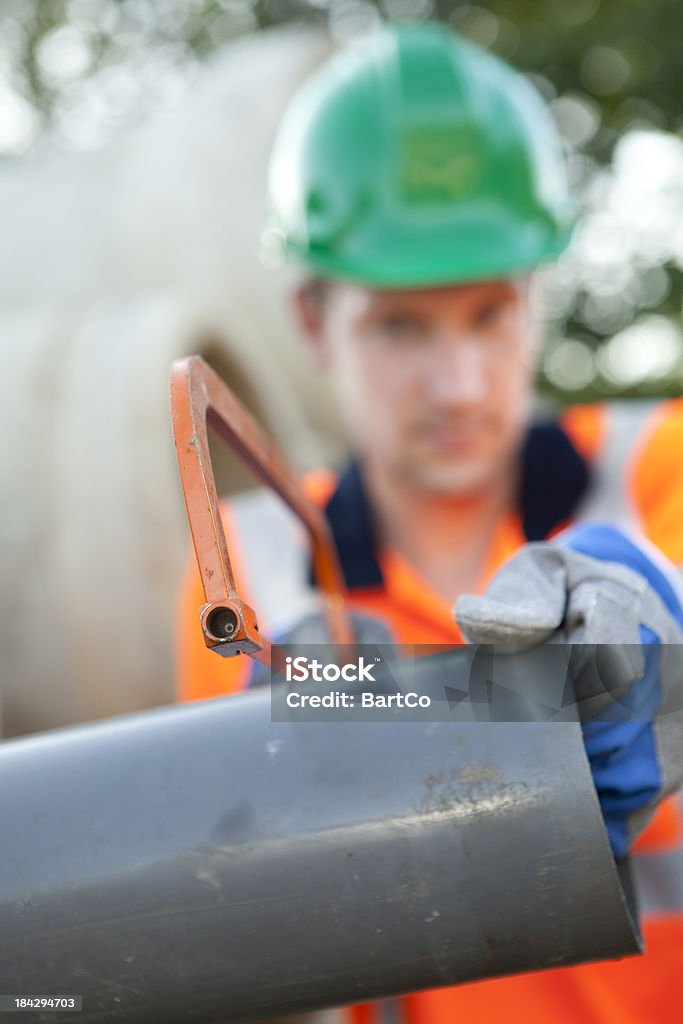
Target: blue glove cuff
{"points": [[623, 754]]}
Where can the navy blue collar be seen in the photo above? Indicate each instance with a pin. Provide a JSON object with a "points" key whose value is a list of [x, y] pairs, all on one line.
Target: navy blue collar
{"points": [[553, 480], [350, 517]]}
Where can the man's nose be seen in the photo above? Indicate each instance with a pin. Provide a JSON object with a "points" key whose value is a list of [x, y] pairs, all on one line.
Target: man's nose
{"points": [[457, 372]]}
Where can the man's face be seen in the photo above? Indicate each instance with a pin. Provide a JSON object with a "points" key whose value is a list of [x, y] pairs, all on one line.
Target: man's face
{"points": [[434, 384]]}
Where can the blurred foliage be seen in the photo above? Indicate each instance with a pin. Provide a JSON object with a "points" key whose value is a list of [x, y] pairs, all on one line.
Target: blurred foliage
{"points": [[609, 69], [621, 56]]}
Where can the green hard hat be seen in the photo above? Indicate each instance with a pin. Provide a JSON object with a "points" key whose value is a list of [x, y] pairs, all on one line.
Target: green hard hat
{"points": [[415, 158]]}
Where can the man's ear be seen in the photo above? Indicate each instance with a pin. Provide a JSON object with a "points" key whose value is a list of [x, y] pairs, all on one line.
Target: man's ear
{"points": [[308, 301]]}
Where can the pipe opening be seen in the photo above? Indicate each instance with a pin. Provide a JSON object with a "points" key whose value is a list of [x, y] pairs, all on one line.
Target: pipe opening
{"points": [[223, 623]]}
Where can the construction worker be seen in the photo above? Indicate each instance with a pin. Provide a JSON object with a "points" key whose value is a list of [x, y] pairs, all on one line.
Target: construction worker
{"points": [[419, 181]]}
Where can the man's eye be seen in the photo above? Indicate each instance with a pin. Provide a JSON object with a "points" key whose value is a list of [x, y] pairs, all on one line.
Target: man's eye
{"points": [[488, 314], [401, 327]]}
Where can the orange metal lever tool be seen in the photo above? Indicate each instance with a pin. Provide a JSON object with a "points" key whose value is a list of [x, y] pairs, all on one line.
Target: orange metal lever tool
{"points": [[199, 399]]}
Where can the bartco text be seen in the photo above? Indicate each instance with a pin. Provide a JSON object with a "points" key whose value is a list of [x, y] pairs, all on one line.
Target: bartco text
{"points": [[366, 699], [302, 669]]}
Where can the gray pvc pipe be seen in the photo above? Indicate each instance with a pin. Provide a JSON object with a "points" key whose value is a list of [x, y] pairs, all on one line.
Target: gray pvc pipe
{"points": [[203, 863]]}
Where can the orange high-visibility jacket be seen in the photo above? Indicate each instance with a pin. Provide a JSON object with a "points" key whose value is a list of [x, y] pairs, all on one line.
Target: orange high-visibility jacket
{"points": [[622, 463]]}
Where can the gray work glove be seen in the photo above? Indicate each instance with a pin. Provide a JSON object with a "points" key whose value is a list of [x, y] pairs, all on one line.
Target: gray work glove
{"points": [[617, 602]]}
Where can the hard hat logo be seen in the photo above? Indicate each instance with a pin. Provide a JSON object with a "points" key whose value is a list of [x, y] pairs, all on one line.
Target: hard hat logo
{"points": [[437, 166], [417, 159]]}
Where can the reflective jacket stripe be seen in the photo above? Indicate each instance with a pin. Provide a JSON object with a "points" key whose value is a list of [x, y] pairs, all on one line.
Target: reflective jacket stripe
{"points": [[389, 1011], [659, 882], [608, 498]]}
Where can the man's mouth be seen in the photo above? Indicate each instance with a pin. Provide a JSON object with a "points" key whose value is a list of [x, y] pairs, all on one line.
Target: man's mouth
{"points": [[453, 437]]}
